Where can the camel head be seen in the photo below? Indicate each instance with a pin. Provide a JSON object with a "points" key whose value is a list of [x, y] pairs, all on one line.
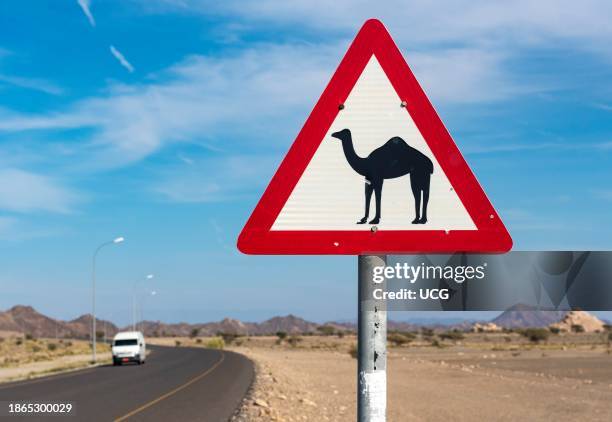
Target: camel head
{"points": [[343, 134]]}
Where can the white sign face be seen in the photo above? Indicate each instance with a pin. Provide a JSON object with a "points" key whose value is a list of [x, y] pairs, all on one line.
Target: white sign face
{"points": [[331, 194]]}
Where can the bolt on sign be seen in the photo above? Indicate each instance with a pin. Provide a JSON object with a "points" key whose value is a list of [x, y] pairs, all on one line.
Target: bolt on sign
{"points": [[373, 170]]}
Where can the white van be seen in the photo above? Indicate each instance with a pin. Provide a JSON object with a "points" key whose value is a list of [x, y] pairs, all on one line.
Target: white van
{"points": [[129, 346]]}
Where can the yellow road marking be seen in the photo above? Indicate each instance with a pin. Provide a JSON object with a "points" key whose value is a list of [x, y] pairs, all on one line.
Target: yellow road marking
{"points": [[172, 392]]}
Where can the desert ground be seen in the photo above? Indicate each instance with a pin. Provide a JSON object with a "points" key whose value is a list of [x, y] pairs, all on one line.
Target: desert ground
{"points": [[432, 376], [482, 376], [23, 357]]}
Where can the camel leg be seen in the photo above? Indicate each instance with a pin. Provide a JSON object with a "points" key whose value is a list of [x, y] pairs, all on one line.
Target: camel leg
{"points": [[368, 196], [425, 188], [378, 196], [416, 192]]}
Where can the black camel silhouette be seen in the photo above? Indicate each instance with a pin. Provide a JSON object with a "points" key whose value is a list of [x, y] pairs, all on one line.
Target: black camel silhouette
{"points": [[394, 159]]}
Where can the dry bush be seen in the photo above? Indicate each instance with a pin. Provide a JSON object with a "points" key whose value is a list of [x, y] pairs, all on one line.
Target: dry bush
{"points": [[215, 343], [536, 335], [399, 339]]}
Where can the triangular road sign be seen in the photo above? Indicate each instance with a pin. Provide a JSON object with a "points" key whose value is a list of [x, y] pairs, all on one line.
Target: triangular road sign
{"points": [[373, 133]]}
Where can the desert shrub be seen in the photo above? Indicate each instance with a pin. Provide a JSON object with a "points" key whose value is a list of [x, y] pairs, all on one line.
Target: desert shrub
{"points": [[1, 339], [177, 343], [427, 332], [436, 343], [68, 344], [99, 335], [353, 351], [36, 349], [51, 347], [281, 335], [29, 336], [215, 343], [454, 335], [607, 327], [340, 334], [294, 340], [536, 335], [18, 341], [554, 330], [228, 338], [326, 330], [198, 340], [577, 328], [399, 339], [609, 337], [194, 333]]}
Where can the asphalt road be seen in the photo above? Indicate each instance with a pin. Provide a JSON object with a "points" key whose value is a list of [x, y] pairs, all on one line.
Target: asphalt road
{"points": [[176, 383]]}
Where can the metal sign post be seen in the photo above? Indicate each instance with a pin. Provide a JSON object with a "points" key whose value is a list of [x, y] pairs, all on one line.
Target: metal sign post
{"points": [[372, 344]]}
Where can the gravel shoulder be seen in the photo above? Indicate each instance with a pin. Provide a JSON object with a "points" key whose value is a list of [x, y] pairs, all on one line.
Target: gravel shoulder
{"points": [[50, 367], [433, 384]]}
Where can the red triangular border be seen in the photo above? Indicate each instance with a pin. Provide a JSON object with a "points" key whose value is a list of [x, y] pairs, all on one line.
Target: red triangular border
{"points": [[373, 39]]}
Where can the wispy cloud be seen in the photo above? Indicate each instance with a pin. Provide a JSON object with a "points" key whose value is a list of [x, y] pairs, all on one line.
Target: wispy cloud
{"points": [[256, 94], [219, 179], [605, 194], [32, 83], [466, 75], [121, 59], [86, 7], [603, 106], [517, 147], [519, 219], [199, 99], [35, 84], [464, 21], [23, 191], [6, 224]]}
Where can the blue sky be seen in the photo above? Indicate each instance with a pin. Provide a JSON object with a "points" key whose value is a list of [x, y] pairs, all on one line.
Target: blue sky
{"points": [[163, 120]]}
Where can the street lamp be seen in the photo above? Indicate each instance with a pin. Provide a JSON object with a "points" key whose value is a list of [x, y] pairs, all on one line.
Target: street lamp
{"points": [[141, 307], [149, 277], [93, 293]]}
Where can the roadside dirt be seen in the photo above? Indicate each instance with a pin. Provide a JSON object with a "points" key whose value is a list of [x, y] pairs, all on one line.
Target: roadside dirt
{"points": [[57, 365], [460, 383]]}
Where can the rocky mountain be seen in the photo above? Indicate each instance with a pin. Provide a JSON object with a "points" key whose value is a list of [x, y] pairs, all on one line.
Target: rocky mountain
{"points": [[81, 326], [579, 321], [523, 316], [289, 324], [26, 320]]}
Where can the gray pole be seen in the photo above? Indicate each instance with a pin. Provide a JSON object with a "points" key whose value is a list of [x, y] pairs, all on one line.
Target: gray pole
{"points": [[93, 295], [93, 304], [372, 344]]}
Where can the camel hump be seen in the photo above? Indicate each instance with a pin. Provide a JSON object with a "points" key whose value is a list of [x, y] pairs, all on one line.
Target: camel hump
{"points": [[396, 141], [397, 145]]}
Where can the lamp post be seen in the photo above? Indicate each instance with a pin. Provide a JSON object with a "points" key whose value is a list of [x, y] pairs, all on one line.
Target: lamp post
{"points": [[93, 294], [141, 308], [149, 277]]}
